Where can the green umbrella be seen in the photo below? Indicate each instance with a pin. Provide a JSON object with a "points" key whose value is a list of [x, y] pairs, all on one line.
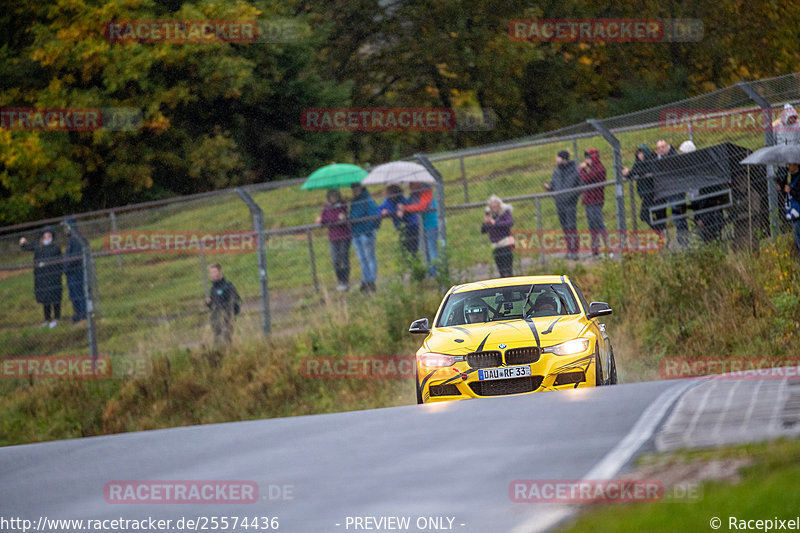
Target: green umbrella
{"points": [[334, 176]]}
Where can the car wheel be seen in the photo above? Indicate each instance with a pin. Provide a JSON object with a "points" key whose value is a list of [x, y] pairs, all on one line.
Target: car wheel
{"points": [[416, 383], [598, 369], [612, 373]]}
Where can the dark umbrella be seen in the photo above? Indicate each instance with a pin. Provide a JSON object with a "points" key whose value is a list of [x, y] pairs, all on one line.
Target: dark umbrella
{"points": [[774, 155]]}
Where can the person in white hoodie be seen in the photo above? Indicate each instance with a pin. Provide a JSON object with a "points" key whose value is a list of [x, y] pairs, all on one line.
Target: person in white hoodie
{"points": [[787, 131]]}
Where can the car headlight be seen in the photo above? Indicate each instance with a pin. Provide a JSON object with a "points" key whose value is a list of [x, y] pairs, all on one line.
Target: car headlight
{"points": [[570, 347], [436, 360]]}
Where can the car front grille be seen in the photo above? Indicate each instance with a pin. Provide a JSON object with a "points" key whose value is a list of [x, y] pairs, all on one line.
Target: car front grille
{"points": [[499, 387], [445, 390], [484, 359], [521, 356]]}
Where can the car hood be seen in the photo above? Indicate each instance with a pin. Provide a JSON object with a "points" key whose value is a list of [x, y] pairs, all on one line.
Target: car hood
{"points": [[517, 333]]}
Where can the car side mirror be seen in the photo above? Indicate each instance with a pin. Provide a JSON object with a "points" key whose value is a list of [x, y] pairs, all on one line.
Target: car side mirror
{"points": [[598, 309], [420, 326]]}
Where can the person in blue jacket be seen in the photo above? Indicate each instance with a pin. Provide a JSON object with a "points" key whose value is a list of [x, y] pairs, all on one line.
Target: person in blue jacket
{"points": [[364, 223], [423, 203], [407, 225], [73, 269]]}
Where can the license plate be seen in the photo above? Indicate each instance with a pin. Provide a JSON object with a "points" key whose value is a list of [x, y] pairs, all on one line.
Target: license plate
{"points": [[504, 372]]}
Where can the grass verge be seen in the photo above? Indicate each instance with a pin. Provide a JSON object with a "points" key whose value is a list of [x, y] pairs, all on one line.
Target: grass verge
{"points": [[767, 490]]}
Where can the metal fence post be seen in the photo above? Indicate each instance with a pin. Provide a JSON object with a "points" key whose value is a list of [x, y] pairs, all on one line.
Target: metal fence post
{"points": [[542, 255], [113, 218], [464, 180], [769, 140], [313, 261], [634, 221], [88, 295], [619, 190], [258, 227], [425, 162]]}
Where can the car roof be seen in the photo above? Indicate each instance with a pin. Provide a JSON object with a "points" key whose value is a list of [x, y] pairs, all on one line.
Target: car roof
{"points": [[506, 282]]}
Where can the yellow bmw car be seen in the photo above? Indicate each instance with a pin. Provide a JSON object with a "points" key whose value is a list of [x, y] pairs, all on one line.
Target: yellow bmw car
{"points": [[513, 336]]}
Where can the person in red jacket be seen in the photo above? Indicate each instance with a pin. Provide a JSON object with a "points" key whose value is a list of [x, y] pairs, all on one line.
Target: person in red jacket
{"points": [[593, 171]]}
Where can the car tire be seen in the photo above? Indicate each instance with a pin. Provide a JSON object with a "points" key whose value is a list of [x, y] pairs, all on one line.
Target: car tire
{"points": [[612, 373], [598, 369], [416, 383]]}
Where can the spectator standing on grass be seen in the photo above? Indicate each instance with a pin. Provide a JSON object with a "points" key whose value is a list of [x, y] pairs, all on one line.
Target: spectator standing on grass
{"points": [[334, 215], [497, 222], [73, 269], [677, 201], [421, 201], [642, 172], [225, 304], [407, 224], [364, 223], [592, 171], [791, 187], [566, 176], [47, 271], [787, 131]]}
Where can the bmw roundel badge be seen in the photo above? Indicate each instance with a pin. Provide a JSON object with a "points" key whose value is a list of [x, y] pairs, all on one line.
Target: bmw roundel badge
{"points": [[502, 346]]}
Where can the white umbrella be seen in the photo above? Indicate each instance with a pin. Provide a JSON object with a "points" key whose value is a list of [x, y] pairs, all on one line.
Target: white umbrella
{"points": [[398, 172], [774, 155]]}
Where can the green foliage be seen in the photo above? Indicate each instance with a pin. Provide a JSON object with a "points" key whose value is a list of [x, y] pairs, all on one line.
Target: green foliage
{"points": [[220, 114]]}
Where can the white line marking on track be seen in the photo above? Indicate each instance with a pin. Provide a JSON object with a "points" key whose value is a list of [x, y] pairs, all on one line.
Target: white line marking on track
{"points": [[615, 459]]}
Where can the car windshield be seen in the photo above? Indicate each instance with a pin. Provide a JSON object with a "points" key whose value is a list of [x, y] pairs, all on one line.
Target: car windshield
{"points": [[505, 303]]}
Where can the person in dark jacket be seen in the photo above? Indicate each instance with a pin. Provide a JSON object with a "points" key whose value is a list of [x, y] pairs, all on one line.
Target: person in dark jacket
{"points": [[642, 172], [593, 171], [566, 176], [791, 186], [364, 223], [497, 222], [73, 269], [677, 201], [225, 303], [334, 215], [407, 224], [47, 272]]}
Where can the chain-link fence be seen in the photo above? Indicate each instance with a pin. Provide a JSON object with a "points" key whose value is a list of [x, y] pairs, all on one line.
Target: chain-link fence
{"points": [[620, 185]]}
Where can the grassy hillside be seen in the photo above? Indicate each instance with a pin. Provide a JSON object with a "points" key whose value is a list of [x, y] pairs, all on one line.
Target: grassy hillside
{"points": [[704, 302]]}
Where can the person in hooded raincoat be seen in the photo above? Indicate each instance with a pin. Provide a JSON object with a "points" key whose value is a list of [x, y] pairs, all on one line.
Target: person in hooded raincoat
{"points": [[787, 131], [47, 271]]}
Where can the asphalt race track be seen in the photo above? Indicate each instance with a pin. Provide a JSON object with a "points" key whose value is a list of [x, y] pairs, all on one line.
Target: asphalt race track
{"points": [[444, 467]]}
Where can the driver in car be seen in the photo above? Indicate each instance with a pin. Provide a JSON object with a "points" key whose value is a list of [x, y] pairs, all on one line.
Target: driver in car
{"points": [[545, 305], [476, 311]]}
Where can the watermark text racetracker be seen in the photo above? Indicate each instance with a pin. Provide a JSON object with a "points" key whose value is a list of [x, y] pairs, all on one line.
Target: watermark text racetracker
{"points": [[397, 119], [552, 241], [30, 367], [751, 119], [357, 367], [620, 30], [733, 368], [276, 30], [601, 490], [70, 118], [177, 242]]}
